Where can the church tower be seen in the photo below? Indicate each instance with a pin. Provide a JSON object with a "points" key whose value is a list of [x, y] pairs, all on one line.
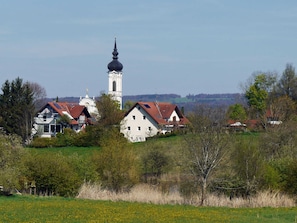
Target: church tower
{"points": [[115, 76]]}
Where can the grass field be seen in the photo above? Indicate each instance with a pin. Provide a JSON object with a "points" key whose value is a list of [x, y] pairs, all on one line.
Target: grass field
{"points": [[54, 209], [82, 151]]}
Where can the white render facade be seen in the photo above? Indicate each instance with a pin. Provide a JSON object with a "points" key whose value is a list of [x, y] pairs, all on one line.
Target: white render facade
{"points": [[90, 104], [147, 119], [115, 85], [138, 125]]}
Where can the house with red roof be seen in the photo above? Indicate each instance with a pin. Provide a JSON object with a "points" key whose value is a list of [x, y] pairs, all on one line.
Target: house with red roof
{"points": [[147, 119], [48, 120]]}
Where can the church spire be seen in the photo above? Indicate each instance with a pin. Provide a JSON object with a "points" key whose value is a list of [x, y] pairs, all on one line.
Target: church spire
{"points": [[115, 65], [115, 50]]}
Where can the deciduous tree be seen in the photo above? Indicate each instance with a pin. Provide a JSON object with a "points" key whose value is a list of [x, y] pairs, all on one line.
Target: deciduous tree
{"points": [[287, 84], [109, 111], [11, 162], [116, 163], [206, 147], [259, 94], [237, 112]]}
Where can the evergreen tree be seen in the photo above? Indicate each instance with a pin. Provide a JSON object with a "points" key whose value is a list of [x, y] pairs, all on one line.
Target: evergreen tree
{"points": [[17, 109]]}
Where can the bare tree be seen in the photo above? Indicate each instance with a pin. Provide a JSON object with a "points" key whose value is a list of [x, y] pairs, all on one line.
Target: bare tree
{"points": [[39, 94], [206, 146]]}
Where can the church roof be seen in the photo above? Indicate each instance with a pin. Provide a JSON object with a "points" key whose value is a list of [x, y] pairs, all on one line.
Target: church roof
{"points": [[115, 65]]}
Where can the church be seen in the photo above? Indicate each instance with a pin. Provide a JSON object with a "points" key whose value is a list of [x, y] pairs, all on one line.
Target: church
{"points": [[143, 120]]}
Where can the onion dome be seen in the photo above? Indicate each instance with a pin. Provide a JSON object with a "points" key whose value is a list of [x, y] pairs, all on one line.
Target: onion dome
{"points": [[115, 65]]}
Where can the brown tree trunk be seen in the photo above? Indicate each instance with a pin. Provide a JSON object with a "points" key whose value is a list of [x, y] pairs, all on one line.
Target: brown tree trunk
{"points": [[203, 192]]}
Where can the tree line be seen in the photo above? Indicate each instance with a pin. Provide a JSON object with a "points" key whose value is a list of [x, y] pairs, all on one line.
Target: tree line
{"points": [[207, 156]]}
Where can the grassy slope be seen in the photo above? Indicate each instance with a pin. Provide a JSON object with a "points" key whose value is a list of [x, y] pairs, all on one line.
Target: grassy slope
{"points": [[84, 151], [53, 209]]}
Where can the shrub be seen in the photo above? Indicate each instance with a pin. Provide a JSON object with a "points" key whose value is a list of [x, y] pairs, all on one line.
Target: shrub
{"points": [[11, 165], [39, 142], [291, 178], [116, 164], [52, 174]]}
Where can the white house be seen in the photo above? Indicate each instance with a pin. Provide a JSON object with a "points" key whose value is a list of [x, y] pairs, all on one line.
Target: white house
{"points": [[47, 122], [147, 119]]}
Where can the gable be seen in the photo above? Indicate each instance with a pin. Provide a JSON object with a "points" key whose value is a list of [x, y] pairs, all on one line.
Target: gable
{"points": [[161, 112], [71, 110]]}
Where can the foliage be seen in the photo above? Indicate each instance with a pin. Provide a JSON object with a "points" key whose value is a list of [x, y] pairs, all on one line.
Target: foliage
{"points": [[290, 177], [116, 163], [17, 109], [109, 111], [52, 174], [89, 137], [237, 112], [279, 142], [64, 120], [83, 167], [67, 138], [11, 165], [154, 161], [257, 94], [39, 142], [128, 105], [248, 164]]}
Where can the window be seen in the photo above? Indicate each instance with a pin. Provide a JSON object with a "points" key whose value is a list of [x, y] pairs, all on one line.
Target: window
{"points": [[174, 118], [45, 128], [44, 118], [133, 117], [144, 117], [53, 128], [58, 128], [149, 128], [129, 128], [114, 86], [139, 128]]}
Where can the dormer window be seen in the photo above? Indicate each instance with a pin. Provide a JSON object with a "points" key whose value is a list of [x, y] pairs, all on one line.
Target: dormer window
{"points": [[44, 118]]}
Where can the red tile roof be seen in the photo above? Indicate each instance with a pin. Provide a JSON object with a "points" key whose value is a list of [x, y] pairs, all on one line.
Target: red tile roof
{"points": [[73, 109], [161, 112]]}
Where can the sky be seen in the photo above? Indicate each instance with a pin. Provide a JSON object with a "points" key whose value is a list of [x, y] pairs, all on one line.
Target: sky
{"points": [[168, 46]]}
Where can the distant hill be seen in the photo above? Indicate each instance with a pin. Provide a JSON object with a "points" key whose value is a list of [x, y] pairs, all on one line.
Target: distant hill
{"points": [[188, 103]]}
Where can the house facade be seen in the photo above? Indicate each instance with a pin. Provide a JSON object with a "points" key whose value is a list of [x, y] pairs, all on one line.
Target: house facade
{"points": [[147, 119], [48, 122]]}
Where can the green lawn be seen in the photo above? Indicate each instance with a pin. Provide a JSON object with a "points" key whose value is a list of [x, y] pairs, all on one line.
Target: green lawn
{"points": [[54, 209]]}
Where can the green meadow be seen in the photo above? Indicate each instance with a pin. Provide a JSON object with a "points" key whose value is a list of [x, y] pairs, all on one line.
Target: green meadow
{"points": [[55, 209]]}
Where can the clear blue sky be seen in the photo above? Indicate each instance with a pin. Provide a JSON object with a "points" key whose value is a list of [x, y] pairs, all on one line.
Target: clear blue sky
{"points": [[182, 47]]}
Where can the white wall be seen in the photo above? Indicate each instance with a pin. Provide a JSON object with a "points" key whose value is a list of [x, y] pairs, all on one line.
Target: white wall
{"points": [[134, 120]]}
